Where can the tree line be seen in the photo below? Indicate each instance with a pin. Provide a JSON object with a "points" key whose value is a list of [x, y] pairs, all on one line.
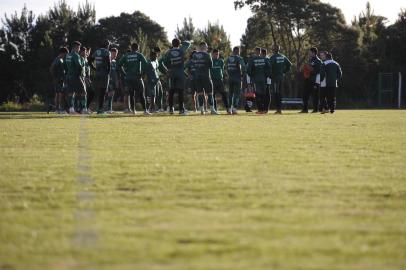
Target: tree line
{"points": [[364, 47]]}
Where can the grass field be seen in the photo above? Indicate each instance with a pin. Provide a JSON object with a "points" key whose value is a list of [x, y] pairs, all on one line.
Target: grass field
{"points": [[240, 192]]}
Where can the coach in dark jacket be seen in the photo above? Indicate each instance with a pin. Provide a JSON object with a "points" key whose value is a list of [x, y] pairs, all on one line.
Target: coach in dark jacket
{"points": [[330, 74]]}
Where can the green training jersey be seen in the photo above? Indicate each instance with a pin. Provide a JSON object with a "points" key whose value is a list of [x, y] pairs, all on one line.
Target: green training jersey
{"points": [[217, 71], [173, 60], [235, 67], [75, 65], [133, 64], [259, 68], [203, 64], [57, 69], [280, 64], [102, 59]]}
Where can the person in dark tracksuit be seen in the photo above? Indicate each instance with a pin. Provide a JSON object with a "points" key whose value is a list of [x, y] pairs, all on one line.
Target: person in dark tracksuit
{"points": [[133, 64], [217, 74], [280, 65], [259, 70], [102, 59], [57, 70], [203, 63], [236, 71], [330, 74], [173, 63], [312, 83]]}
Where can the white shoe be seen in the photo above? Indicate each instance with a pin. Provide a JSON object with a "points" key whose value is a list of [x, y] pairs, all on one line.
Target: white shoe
{"points": [[127, 111], [109, 112], [147, 113], [234, 111], [214, 112], [85, 111], [72, 110]]}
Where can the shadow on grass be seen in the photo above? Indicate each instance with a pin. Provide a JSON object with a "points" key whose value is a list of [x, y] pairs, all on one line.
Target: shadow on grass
{"points": [[44, 116]]}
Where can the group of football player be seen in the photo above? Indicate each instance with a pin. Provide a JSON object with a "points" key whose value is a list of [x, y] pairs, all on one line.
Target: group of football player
{"points": [[79, 76]]}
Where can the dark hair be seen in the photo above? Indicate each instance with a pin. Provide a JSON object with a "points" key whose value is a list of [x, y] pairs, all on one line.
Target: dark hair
{"points": [[276, 48], [314, 50], [192, 53], [264, 51], [257, 49], [83, 49], [63, 50], [113, 49], [236, 49], [157, 49], [134, 47], [153, 54], [216, 51], [76, 44], [202, 44], [329, 56], [105, 44], [176, 42]]}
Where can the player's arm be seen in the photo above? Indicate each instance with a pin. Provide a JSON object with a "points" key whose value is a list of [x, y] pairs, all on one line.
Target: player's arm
{"points": [[120, 64], [52, 69], [144, 64], [107, 60], [288, 65], [185, 45], [322, 72], [162, 66], [339, 72]]}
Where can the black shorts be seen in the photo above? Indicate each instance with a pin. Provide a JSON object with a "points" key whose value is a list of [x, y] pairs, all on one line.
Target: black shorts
{"points": [[132, 85], [218, 86], [76, 85], [260, 88], [101, 82], [177, 82], [204, 85], [59, 86]]}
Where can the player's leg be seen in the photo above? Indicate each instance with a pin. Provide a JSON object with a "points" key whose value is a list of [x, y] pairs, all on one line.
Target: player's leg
{"points": [[277, 96], [82, 96], [267, 98], [332, 99], [208, 89], [307, 90], [71, 95], [315, 97]]}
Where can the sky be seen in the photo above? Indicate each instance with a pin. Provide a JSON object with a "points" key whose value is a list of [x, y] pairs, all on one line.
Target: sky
{"points": [[169, 13]]}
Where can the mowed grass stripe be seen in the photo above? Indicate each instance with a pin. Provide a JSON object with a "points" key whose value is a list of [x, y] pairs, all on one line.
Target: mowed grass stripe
{"points": [[245, 192]]}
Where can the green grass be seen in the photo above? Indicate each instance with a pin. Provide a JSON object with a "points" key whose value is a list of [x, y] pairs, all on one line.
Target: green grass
{"points": [[245, 192]]}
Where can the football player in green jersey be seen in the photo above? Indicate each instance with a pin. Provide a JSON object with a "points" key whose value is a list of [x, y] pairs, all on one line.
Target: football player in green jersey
{"points": [[173, 63], [102, 59], [85, 53], [280, 65], [236, 70], [134, 64], [57, 71], [203, 63], [75, 66], [113, 82], [259, 70], [217, 74]]}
